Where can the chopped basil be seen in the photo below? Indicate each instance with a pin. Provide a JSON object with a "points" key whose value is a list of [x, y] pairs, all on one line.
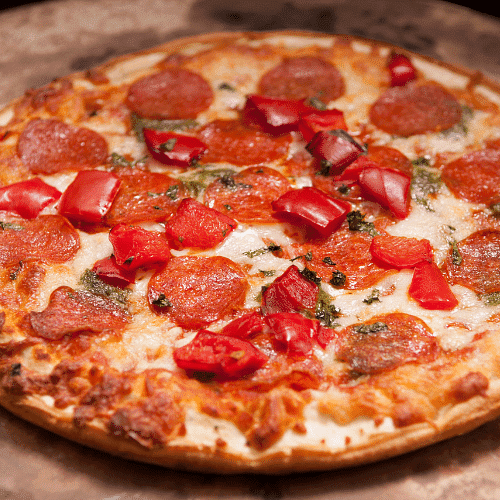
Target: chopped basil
{"points": [[228, 181], [356, 221], [310, 275], [456, 256], [92, 283], [421, 161], [168, 145], [15, 272], [265, 272], [172, 193], [373, 297], [371, 328], [139, 124], [325, 168], [491, 299], [161, 301], [226, 86], [462, 127], [198, 181], [495, 209], [423, 184], [10, 225], [338, 279], [120, 161], [260, 251], [326, 312], [328, 261], [317, 103], [344, 189]]}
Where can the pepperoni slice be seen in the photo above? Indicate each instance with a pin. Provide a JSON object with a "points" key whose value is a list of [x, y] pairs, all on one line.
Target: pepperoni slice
{"points": [[232, 142], [174, 93], [48, 146], [415, 109], [475, 177], [386, 342], [475, 263], [386, 156], [344, 252], [247, 196], [302, 78], [75, 311], [144, 196], [48, 238], [195, 291]]}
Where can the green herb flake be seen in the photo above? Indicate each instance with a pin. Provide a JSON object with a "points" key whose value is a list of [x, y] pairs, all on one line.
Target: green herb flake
{"points": [[328, 261], [10, 225], [261, 251], [356, 222], [491, 299], [168, 145], [92, 283], [325, 311], [424, 183], [308, 256], [338, 279], [162, 302], [226, 86], [343, 189], [456, 256], [495, 209], [317, 103], [373, 297], [267, 272], [139, 124], [310, 275], [371, 328]]}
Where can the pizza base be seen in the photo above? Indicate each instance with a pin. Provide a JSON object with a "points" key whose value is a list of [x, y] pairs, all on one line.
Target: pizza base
{"points": [[184, 453]]}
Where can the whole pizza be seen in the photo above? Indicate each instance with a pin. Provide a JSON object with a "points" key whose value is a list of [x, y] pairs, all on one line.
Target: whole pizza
{"points": [[253, 252]]}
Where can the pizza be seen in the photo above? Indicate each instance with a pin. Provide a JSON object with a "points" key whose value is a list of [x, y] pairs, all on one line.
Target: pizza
{"points": [[253, 252]]}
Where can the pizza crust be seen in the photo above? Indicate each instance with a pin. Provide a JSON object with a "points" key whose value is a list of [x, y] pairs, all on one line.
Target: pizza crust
{"points": [[230, 453]]}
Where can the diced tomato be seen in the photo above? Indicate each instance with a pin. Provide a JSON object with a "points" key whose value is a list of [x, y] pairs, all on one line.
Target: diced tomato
{"points": [[399, 251], [227, 357], [336, 147], [430, 288], [244, 327], [89, 197], [290, 292], [312, 207], [110, 272], [173, 149], [196, 225], [388, 187], [274, 115], [27, 198], [402, 70], [315, 120], [136, 247], [294, 331]]}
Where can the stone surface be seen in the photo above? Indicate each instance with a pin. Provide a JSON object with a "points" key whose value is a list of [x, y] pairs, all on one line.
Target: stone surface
{"points": [[42, 41]]}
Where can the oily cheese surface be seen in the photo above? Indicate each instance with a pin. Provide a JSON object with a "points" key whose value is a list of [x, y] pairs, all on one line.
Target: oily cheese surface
{"points": [[118, 388]]}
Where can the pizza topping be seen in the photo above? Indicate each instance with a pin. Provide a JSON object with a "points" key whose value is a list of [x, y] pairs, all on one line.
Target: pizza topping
{"points": [[415, 109], [110, 272], [144, 196], [48, 146], [27, 198], [335, 148], [291, 292], [244, 327], [200, 290], [171, 148], [479, 267], [312, 207], [224, 356], [475, 177], [385, 343], [233, 142], [293, 330], [401, 69], [275, 116], [247, 196], [136, 247], [401, 252], [430, 288], [76, 311], [316, 120], [89, 197], [301, 78], [48, 238], [470, 385], [387, 186], [172, 93], [94, 284], [196, 226]]}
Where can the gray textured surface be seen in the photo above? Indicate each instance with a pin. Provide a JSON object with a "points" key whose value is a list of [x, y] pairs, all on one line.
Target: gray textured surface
{"points": [[47, 40]]}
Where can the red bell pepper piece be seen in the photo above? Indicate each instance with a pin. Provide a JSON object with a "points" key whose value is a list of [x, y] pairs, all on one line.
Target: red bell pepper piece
{"points": [[294, 331], [290, 292], [353, 171], [275, 116], [226, 357], [244, 327], [430, 288], [173, 149], [89, 197], [136, 247], [111, 273], [387, 186], [399, 251], [196, 225], [316, 120], [27, 198], [312, 207], [401, 69]]}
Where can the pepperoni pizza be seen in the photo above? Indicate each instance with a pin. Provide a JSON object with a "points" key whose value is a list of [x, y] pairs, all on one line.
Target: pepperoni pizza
{"points": [[265, 252]]}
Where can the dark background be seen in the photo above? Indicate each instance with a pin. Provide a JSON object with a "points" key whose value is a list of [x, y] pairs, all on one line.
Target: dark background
{"points": [[488, 7]]}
